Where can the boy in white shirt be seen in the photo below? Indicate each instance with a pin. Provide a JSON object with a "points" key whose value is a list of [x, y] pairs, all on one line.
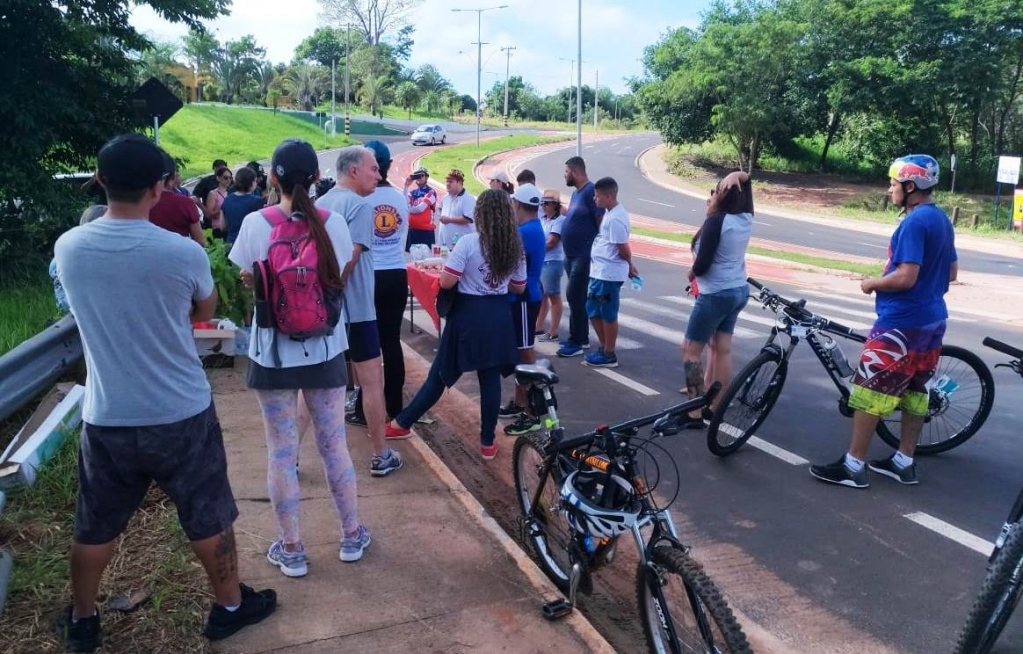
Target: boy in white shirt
{"points": [[610, 265]]}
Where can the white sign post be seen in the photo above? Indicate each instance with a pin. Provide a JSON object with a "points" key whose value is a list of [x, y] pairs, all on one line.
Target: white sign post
{"points": [[1008, 173]]}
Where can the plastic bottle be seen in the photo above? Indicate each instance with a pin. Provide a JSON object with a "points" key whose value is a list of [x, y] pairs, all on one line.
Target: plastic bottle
{"points": [[637, 283], [831, 346]]}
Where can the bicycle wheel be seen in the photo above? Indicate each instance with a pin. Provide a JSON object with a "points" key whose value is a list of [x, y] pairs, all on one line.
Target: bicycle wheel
{"points": [[746, 403], [692, 606], [553, 537], [998, 598], [961, 392]]}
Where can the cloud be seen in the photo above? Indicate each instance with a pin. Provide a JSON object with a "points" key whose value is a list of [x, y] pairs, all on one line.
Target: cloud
{"points": [[615, 32]]}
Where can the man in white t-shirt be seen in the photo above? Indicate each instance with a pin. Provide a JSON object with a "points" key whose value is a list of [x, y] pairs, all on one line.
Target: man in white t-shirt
{"points": [[610, 265], [456, 210]]}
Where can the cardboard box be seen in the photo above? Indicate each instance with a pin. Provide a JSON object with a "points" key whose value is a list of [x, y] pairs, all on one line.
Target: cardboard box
{"points": [[57, 416], [214, 341]]}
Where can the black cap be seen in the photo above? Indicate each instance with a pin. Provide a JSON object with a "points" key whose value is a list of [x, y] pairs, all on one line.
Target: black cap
{"points": [[294, 158], [169, 165], [132, 162], [256, 167]]}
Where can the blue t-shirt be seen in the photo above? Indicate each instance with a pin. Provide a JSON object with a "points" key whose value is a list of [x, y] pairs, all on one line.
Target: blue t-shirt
{"points": [[581, 226], [925, 237], [235, 208], [534, 244]]}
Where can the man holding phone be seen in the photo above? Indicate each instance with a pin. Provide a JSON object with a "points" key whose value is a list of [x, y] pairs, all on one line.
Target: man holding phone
{"points": [[422, 200]]}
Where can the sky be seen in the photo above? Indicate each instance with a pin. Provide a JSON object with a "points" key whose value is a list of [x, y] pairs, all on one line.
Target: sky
{"points": [[543, 32]]}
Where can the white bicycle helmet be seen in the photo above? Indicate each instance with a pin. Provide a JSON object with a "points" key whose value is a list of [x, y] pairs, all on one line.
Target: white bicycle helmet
{"points": [[581, 493]]}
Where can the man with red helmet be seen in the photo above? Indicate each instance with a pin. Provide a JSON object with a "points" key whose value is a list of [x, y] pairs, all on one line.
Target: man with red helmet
{"points": [[902, 352]]}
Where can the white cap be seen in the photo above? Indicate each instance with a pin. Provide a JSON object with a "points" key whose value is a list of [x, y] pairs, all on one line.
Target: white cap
{"points": [[528, 195], [500, 176]]}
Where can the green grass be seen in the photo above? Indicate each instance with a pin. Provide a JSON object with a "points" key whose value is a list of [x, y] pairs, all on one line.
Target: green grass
{"points": [[154, 554], [24, 312], [865, 269], [465, 157], [200, 134]]}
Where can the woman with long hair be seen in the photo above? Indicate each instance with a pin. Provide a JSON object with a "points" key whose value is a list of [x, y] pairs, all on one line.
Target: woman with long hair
{"points": [[719, 271], [483, 268], [280, 366], [215, 201]]}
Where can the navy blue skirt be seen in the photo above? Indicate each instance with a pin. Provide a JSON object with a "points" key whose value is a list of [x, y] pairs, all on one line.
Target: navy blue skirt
{"points": [[478, 334]]}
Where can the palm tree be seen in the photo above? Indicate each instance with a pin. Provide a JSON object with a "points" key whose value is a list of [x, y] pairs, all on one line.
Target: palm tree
{"points": [[265, 76], [407, 96], [374, 92], [431, 99], [305, 82]]}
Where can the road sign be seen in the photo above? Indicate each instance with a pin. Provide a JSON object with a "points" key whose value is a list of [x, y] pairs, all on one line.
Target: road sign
{"points": [[1017, 213], [953, 163], [1008, 170]]}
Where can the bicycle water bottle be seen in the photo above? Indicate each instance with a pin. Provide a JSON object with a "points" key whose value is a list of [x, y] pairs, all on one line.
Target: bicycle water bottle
{"points": [[590, 544], [835, 351]]}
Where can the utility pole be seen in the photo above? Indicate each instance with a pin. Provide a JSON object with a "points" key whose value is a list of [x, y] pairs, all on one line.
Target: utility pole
{"points": [[596, 102], [333, 96], [579, 89], [348, 65], [571, 79], [507, 69], [479, 61]]}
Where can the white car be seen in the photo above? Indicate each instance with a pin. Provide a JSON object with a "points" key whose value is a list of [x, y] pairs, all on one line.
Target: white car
{"points": [[429, 135]]}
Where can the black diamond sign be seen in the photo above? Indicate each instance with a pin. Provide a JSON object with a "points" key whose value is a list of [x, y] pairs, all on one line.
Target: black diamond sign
{"points": [[154, 100]]}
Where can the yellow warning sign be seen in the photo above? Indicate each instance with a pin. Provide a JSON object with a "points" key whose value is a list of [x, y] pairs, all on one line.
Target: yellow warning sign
{"points": [[1017, 211]]}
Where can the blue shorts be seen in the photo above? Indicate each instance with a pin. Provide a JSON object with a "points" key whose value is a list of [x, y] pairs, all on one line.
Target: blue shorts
{"points": [[551, 276], [602, 300], [363, 341], [716, 312]]}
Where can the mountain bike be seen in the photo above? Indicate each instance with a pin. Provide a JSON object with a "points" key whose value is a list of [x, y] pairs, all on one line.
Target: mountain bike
{"points": [[1003, 585], [960, 394], [579, 494]]}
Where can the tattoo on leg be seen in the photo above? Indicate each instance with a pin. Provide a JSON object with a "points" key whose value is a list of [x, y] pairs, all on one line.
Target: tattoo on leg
{"points": [[694, 378], [227, 556]]}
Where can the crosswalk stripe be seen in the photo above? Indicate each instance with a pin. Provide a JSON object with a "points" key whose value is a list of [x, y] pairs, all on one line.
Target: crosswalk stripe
{"points": [[769, 322], [740, 332]]}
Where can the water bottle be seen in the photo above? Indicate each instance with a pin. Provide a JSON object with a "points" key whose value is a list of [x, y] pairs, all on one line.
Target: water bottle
{"points": [[590, 544], [841, 363], [637, 283]]}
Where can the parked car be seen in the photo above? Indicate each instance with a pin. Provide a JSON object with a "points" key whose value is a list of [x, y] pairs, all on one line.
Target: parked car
{"points": [[429, 135]]}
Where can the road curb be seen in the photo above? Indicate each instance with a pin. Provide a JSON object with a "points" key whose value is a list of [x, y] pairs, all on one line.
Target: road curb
{"points": [[582, 627]]}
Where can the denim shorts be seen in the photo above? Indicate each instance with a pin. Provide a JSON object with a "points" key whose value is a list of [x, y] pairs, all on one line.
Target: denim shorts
{"points": [[716, 312], [551, 276], [602, 300]]}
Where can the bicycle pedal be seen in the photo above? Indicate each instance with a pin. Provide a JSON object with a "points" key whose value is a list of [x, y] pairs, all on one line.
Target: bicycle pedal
{"points": [[557, 609]]}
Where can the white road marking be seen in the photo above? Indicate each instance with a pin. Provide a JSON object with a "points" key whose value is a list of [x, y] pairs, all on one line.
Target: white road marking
{"points": [[761, 320], [829, 296], [964, 538], [656, 202], [873, 245], [740, 332], [763, 223], [628, 383], [834, 307], [764, 446]]}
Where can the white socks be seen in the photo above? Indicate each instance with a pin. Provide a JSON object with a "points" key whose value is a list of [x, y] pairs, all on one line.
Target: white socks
{"points": [[853, 464], [902, 461]]}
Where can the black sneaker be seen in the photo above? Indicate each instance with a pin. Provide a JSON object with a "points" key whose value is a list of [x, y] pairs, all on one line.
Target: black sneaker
{"points": [[839, 473], [256, 607], [523, 425], [356, 418], [888, 468], [510, 410], [85, 635]]}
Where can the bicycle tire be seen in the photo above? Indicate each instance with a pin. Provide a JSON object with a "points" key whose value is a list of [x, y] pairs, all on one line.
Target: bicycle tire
{"points": [[997, 599], [985, 397], [675, 561], [737, 393], [526, 446]]}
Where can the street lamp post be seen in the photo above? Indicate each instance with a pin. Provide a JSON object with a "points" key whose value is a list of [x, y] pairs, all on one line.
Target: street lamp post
{"points": [[479, 59], [348, 60], [579, 89], [507, 69], [571, 77]]}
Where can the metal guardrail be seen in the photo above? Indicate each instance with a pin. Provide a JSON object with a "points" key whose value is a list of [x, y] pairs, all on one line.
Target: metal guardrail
{"points": [[32, 367]]}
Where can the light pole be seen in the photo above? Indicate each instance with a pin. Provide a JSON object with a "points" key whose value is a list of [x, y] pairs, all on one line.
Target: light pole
{"points": [[348, 65], [596, 101], [479, 59], [579, 90], [507, 69], [571, 77]]}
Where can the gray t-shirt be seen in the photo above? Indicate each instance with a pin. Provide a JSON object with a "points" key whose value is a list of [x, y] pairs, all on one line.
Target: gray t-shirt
{"points": [[360, 289], [130, 285]]}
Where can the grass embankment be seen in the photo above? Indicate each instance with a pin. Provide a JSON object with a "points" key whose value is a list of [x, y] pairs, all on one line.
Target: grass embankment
{"points": [[850, 189], [464, 157], [154, 555], [865, 269], [201, 134], [24, 312]]}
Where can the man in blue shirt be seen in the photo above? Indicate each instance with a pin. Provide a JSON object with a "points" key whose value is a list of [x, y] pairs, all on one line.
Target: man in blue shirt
{"points": [[526, 307], [904, 346], [581, 225]]}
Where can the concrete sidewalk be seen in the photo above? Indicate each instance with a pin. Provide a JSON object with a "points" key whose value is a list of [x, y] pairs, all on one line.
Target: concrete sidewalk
{"points": [[440, 575]]}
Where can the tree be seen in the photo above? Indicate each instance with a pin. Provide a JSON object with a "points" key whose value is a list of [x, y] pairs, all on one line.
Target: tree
{"points": [[200, 49], [429, 79], [404, 42], [372, 19], [375, 92], [235, 62], [407, 96], [157, 61], [324, 47], [305, 83], [266, 74]]}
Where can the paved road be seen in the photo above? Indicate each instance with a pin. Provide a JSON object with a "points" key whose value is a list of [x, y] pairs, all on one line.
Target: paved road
{"points": [[617, 158], [795, 554]]}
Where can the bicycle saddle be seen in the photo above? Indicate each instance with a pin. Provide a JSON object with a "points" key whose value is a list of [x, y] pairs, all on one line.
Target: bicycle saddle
{"points": [[540, 372]]}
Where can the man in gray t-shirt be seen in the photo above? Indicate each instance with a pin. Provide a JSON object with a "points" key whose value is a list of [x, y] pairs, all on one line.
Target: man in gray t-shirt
{"points": [[135, 289], [358, 171]]}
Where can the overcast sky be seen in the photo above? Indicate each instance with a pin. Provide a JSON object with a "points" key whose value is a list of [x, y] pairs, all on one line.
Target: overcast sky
{"points": [[543, 31]]}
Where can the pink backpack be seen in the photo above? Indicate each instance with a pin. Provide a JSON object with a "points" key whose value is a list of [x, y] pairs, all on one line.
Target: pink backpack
{"points": [[289, 294]]}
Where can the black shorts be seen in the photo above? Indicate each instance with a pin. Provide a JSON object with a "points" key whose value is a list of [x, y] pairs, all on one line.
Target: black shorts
{"points": [[524, 315], [186, 459], [363, 341]]}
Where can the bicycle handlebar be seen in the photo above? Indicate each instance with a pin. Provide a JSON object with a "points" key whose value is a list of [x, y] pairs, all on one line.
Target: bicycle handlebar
{"points": [[1005, 349], [798, 305], [704, 400]]}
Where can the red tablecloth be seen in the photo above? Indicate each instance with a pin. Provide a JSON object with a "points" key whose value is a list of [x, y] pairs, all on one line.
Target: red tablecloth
{"points": [[425, 286]]}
